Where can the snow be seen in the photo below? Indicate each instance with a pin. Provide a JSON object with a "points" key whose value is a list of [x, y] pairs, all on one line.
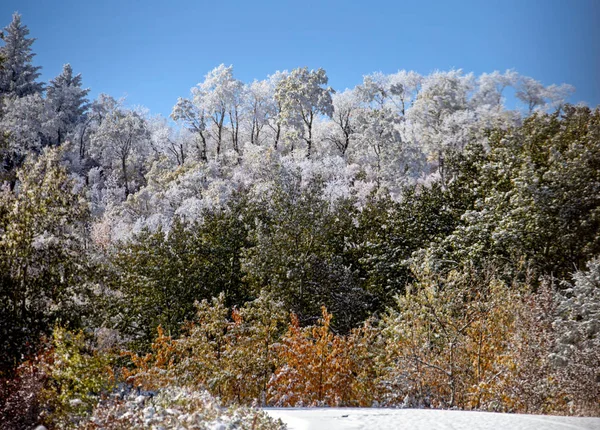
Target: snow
{"points": [[422, 419]]}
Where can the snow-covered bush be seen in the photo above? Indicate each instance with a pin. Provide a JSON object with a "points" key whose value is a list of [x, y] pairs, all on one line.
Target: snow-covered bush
{"points": [[577, 350], [176, 408]]}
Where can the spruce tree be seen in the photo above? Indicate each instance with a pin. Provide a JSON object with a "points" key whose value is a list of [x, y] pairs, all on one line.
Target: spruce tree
{"points": [[68, 102], [18, 76]]}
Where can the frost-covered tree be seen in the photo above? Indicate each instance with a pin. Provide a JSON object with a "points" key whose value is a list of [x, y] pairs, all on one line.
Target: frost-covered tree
{"points": [[176, 144], [67, 101], [17, 75], [579, 310], [577, 326], [216, 103], [195, 120], [378, 138], [491, 86], [396, 91], [276, 121], [235, 109], [443, 94], [92, 119], [345, 109], [537, 97], [303, 98], [121, 136], [220, 96], [26, 123], [262, 109], [381, 137]]}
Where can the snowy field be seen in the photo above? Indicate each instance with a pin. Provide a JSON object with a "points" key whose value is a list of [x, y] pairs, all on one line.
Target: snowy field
{"points": [[422, 419]]}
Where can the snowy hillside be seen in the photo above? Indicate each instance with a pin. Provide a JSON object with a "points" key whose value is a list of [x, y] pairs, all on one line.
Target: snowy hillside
{"points": [[415, 238]]}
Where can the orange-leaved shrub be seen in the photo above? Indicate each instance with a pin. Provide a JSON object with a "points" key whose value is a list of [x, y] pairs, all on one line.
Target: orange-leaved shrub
{"points": [[229, 353], [318, 367]]}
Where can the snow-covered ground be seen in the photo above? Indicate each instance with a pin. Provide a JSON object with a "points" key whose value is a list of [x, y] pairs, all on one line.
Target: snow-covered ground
{"points": [[422, 419]]}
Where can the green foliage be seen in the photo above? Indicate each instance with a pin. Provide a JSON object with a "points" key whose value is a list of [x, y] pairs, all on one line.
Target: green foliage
{"points": [[537, 200], [302, 254], [389, 232], [42, 254], [77, 377], [229, 353], [60, 385], [160, 275]]}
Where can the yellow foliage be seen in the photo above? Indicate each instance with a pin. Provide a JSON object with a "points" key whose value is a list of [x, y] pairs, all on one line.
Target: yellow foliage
{"points": [[229, 356], [448, 340], [318, 367]]}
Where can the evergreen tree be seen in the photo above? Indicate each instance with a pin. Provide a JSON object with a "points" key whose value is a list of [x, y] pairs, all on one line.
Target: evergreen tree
{"points": [[159, 275], [536, 199], [67, 102], [18, 76], [302, 255], [388, 232]]}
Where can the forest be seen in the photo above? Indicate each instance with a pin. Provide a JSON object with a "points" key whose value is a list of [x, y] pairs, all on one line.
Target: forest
{"points": [[419, 241]]}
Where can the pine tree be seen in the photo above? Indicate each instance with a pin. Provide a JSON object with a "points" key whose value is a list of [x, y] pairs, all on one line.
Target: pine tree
{"points": [[68, 102], [18, 76]]}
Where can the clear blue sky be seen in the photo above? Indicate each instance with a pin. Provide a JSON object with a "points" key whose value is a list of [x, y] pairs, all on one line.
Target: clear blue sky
{"points": [[153, 51]]}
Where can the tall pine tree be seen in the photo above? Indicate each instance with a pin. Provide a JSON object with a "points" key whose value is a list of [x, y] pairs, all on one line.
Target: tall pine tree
{"points": [[68, 102], [18, 76]]}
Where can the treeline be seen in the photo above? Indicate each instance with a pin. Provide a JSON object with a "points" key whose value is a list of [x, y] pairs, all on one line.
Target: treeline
{"points": [[409, 242]]}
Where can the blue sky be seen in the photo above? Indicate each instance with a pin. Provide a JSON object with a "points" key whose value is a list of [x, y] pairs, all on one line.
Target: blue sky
{"points": [[153, 51]]}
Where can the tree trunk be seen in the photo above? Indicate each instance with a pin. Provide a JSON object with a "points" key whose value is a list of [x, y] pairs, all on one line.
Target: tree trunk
{"points": [[125, 179], [82, 142], [277, 136]]}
